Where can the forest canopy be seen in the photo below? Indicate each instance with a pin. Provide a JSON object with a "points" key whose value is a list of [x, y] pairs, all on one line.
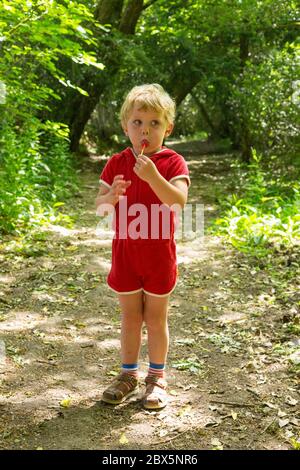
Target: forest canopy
{"points": [[65, 66]]}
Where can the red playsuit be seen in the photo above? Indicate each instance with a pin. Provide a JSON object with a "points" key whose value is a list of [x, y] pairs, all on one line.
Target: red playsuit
{"points": [[143, 248]]}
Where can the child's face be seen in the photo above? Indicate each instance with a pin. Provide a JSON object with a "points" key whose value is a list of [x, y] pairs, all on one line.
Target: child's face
{"points": [[147, 125]]}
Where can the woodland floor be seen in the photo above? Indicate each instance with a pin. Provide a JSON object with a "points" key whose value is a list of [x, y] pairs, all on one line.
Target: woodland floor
{"points": [[231, 380]]}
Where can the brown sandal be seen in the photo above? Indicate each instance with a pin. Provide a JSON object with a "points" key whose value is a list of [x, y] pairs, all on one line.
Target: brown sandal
{"points": [[123, 387], [156, 396]]}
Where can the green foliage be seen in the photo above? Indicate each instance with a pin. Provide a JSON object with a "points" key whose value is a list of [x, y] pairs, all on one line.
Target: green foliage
{"points": [[191, 364], [36, 173], [295, 443], [264, 99], [230, 65], [265, 216]]}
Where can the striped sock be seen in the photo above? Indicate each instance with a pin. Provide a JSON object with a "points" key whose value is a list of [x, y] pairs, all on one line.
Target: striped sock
{"points": [[158, 370], [131, 369]]}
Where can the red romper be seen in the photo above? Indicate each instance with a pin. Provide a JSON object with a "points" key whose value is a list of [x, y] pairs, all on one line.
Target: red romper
{"points": [[143, 248]]}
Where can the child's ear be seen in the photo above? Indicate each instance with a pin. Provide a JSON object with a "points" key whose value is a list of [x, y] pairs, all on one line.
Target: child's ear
{"points": [[125, 130], [169, 130]]}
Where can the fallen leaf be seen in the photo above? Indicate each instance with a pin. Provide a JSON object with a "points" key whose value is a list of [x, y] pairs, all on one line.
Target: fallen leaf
{"points": [[291, 401], [123, 439], [213, 422], [270, 405], [113, 373], [217, 445], [185, 410], [66, 402], [234, 415], [212, 407], [283, 422], [295, 358]]}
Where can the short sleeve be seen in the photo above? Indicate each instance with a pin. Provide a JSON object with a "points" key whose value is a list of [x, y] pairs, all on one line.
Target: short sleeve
{"points": [[108, 173], [178, 169]]}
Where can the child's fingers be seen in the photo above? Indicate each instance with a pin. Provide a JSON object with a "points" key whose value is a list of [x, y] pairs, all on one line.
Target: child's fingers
{"points": [[118, 177], [122, 184], [120, 189]]}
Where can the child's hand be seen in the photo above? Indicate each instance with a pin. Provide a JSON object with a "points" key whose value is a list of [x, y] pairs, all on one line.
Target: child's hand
{"points": [[118, 188], [145, 168]]}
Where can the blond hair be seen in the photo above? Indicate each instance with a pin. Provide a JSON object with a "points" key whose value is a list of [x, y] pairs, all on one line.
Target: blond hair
{"points": [[149, 96]]}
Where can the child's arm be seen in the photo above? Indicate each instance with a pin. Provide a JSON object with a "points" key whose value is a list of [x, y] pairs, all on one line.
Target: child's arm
{"points": [[107, 198], [168, 193]]}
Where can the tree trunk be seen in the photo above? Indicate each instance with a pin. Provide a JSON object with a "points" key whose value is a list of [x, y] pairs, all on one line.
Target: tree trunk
{"points": [[245, 138], [179, 88], [130, 16], [109, 11], [205, 115], [75, 109]]}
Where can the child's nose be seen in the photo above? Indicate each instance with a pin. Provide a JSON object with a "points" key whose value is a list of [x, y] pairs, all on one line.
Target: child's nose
{"points": [[145, 130]]}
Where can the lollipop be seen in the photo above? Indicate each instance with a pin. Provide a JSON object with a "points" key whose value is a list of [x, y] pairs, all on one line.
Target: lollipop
{"points": [[145, 144]]}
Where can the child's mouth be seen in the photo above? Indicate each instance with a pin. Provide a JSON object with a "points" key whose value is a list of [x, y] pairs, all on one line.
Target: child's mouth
{"points": [[145, 143]]}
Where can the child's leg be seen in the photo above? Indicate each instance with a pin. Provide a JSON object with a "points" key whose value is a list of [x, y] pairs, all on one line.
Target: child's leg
{"points": [[131, 328], [156, 319], [132, 319]]}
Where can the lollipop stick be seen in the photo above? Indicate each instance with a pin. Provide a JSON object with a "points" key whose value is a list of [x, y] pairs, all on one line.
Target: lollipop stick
{"points": [[143, 148], [145, 144]]}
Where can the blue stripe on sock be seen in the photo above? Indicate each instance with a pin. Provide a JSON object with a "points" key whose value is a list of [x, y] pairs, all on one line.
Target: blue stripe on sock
{"points": [[156, 366], [129, 366]]}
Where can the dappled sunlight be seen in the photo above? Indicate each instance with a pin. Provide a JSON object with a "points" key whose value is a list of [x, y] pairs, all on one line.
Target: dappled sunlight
{"points": [[63, 231], [196, 250], [82, 236], [68, 145], [6, 279], [232, 317], [109, 344], [21, 320], [62, 344], [97, 242]]}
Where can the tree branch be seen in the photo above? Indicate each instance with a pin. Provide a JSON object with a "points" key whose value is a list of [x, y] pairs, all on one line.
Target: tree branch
{"points": [[131, 16], [148, 4], [109, 11]]}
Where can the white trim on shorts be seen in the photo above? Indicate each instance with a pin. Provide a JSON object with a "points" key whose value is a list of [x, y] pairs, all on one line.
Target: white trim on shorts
{"points": [[145, 291]]}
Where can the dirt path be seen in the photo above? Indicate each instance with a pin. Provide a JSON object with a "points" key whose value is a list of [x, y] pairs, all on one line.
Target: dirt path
{"points": [[231, 382]]}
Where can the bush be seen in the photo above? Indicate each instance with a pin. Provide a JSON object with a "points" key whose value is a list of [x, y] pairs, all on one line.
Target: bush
{"points": [[266, 216], [36, 174]]}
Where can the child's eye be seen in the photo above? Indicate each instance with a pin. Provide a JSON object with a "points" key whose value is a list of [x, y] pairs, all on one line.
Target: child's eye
{"points": [[154, 123], [137, 122]]}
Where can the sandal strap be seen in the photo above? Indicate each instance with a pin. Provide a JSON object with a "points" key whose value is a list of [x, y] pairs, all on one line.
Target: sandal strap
{"points": [[127, 378], [158, 381], [129, 381], [123, 384]]}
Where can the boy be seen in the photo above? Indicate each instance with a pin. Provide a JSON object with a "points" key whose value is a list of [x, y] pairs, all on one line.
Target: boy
{"points": [[143, 273]]}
